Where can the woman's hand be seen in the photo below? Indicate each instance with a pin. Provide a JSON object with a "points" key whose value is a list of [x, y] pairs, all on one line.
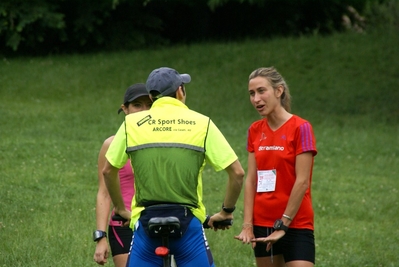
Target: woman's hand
{"points": [[102, 251], [246, 236], [271, 239], [125, 214]]}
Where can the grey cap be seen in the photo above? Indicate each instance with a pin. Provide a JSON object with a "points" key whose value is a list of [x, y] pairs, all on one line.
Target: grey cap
{"points": [[166, 80]]}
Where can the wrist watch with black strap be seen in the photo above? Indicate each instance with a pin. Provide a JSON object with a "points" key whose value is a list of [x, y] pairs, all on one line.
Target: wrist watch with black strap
{"points": [[228, 210], [279, 225], [98, 234]]}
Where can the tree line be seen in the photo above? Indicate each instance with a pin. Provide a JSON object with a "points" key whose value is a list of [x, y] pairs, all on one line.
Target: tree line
{"points": [[62, 26]]}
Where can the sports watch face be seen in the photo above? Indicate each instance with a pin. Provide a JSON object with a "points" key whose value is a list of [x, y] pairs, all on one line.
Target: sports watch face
{"points": [[277, 224], [97, 235]]}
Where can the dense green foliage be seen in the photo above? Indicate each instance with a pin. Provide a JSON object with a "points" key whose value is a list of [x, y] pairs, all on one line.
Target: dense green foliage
{"points": [[37, 27], [55, 112]]}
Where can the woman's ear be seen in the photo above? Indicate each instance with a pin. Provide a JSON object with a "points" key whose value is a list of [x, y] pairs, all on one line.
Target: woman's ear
{"points": [[125, 109], [279, 91]]}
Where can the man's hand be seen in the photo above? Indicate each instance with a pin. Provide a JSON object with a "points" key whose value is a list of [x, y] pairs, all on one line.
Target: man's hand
{"points": [[218, 217]]}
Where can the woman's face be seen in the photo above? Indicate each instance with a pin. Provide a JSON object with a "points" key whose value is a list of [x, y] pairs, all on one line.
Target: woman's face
{"points": [[139, 104], [262, 96]]}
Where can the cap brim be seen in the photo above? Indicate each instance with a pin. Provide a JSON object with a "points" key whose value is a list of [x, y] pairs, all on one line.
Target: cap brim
{"points": [[186, 78]]}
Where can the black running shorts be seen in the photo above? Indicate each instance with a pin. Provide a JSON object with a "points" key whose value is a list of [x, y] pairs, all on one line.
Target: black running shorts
{"points": [[296, 244]]}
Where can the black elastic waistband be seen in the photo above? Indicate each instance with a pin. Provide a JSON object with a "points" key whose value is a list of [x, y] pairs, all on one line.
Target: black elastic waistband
{"points": [[158, 204]]}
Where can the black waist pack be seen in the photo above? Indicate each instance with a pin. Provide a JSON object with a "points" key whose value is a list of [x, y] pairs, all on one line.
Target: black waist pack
{"points": [[183, 213]]}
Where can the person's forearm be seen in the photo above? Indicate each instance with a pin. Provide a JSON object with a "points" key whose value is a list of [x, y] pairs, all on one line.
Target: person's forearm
{"points": [[303, 166], [250, 190], [295, 200], [103, 206], [249, 194], [232, 192], [234, 184], [103, 202], [112, 182]]}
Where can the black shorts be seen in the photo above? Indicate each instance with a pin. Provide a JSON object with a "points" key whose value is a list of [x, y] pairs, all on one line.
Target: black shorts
{"points": [[120, 239], [296, 244]]}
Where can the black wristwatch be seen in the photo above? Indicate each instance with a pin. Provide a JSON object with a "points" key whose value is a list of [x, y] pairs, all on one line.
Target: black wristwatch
{"points": [[228, 210], [279, 225], [98, 234]]}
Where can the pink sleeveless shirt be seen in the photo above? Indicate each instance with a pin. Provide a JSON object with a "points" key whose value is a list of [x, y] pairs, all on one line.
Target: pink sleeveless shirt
{"points": [[126, 178]]}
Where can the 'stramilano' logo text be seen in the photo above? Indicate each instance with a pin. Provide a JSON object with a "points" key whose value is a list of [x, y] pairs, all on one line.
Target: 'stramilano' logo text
{"points": [[261, 148]]}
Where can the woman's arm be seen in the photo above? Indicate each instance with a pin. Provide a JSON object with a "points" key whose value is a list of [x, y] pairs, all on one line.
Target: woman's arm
{"points": [[303, 168], [103, 203], [246, 234], [103, 206]]}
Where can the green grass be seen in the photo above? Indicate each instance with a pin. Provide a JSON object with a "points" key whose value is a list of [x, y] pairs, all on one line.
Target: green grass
{"points": [[56, 111]]}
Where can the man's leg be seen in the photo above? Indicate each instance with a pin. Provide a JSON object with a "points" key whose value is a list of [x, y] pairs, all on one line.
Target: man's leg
{"points": [[142, 252], [192, 249]]}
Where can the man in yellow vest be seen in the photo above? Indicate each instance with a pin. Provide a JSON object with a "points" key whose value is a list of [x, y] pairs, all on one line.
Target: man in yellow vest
{"points": [[169, 146]]}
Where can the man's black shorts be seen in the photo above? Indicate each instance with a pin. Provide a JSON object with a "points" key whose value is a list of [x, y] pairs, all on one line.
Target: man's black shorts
{"points": [[296, 244]]}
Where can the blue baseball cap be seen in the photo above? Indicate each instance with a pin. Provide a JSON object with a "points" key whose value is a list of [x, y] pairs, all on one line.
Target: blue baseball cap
{"points": [[166, 80]]}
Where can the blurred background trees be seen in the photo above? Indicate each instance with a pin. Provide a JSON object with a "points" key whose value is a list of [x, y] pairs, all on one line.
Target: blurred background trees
{"points": [[37, 27]]}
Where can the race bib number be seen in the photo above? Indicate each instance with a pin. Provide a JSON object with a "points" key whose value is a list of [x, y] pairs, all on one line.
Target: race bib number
{"points": [[266, 181]]}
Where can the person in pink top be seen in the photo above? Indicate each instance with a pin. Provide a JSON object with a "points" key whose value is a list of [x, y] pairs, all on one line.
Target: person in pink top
{"points": [[119, 235]]}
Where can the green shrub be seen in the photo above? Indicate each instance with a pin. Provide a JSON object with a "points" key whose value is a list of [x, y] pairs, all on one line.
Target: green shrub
{"points": [[382, 15], [51, 26], [31, 22]]}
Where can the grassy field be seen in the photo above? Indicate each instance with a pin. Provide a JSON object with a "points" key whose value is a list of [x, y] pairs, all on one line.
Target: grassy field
{"points": [[56, 111]]}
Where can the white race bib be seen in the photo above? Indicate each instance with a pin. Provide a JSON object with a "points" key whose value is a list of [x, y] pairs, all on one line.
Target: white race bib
{"points": [[266, 181]]}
